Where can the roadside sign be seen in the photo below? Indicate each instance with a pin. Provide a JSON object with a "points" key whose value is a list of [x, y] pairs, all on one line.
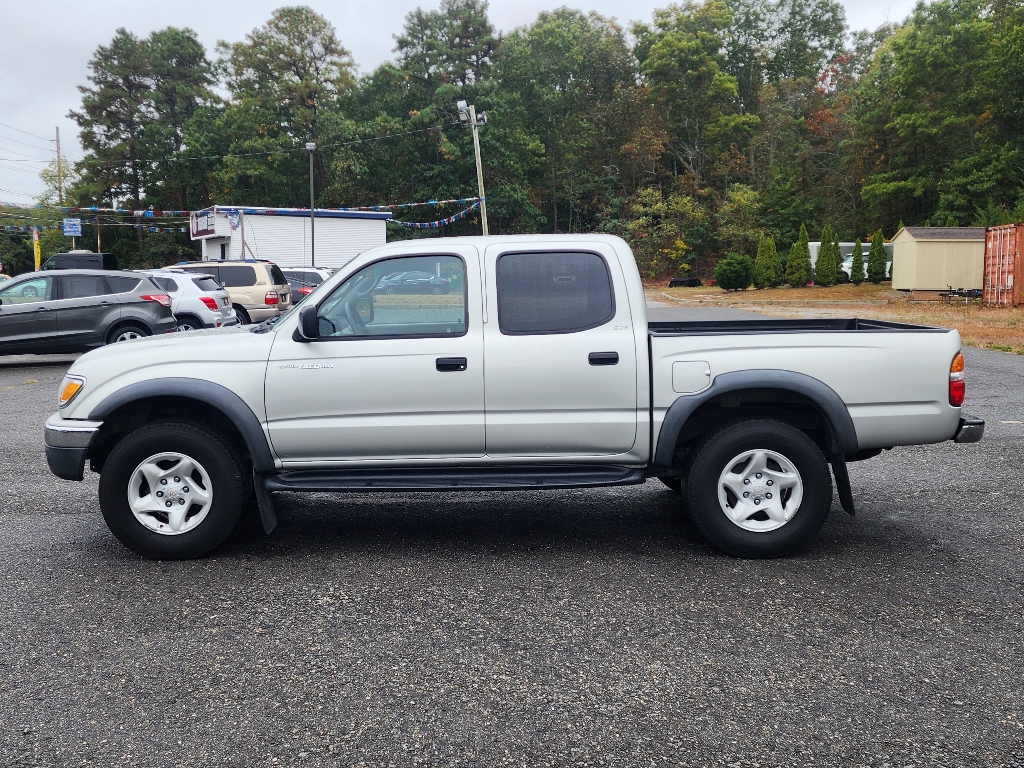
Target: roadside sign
{"points": [[204, 224], [72, 227]]}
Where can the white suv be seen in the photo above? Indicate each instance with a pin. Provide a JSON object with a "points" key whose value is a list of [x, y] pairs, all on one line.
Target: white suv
{"points": [[197, 300]]}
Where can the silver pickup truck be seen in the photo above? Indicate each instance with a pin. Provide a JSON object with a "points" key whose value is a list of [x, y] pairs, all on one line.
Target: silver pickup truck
{"points": [[499, 363]]}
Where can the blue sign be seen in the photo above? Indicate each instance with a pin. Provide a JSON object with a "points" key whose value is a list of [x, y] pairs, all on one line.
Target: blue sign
{"points": [[72, 227]]}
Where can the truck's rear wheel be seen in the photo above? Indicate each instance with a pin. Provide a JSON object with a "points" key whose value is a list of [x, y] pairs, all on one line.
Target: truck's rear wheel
{"points": [[172, 490], [759, 488]]}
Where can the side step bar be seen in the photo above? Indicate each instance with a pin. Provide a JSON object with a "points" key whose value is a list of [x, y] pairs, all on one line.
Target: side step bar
{"points": [[476, 478]]}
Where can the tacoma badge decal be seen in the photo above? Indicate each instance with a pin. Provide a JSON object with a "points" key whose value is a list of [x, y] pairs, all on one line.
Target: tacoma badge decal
{"points": [[308, 365]]}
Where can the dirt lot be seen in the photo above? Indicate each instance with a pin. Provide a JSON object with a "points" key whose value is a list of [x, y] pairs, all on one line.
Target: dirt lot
{"points": [[991, 328]]}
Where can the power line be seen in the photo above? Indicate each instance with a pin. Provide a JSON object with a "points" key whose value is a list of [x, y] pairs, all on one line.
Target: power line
{"points": [[15, 168], [34, 136], [24, 143], [17, 194]]}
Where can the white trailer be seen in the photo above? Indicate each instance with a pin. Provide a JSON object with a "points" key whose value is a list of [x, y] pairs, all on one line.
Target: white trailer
{"points": [[282, 235]]}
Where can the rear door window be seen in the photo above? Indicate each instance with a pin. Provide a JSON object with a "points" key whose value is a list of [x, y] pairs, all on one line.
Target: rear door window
{"points": [[241, 276], [82, 286], [553, 292]]}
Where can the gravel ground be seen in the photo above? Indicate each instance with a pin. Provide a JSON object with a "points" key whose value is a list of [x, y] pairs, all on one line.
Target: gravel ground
{"points": [[574, 628]]}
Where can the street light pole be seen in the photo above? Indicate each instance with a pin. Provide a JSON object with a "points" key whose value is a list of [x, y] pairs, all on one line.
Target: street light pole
{"points": [[467, 112], [311, 148]]}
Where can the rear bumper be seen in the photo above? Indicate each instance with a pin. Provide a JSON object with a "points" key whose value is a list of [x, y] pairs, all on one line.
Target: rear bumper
{"points": [[970, 430], [67, 443]]}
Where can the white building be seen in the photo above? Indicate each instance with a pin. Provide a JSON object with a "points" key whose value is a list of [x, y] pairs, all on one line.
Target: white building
{"points": [[282, 235], [846, 249]]}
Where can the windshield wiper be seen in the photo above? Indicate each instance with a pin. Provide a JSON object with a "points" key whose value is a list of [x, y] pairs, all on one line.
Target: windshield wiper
{"points": [[265, 326]]}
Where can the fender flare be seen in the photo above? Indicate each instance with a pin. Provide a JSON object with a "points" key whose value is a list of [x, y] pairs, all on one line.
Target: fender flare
{"points": [[842, 434], [215, 395]]}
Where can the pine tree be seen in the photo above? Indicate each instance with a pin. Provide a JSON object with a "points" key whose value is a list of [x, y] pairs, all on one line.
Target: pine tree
{"points": [[827, 264], [900, 226], [767, 269], [857, 264], [798, 265], [735, 272], [876, 259]]}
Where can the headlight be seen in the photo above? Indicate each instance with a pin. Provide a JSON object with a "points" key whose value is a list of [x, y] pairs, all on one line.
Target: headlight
{"points": [[70, 387]]}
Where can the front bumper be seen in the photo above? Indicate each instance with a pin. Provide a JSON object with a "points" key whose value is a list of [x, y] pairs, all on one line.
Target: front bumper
{"points": [[67, 443], [970, 430]]}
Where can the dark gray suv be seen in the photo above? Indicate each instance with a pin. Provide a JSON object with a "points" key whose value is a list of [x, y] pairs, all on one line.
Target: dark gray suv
{"points": [[75, 310]]}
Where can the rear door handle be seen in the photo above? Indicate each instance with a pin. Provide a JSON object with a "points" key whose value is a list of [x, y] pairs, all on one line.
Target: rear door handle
{"points": [[42, 309], [604, 358], [451, 363]]}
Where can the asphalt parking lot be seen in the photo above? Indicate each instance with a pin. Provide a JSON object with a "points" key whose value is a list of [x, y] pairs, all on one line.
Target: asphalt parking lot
{"points": [[575, 628]]}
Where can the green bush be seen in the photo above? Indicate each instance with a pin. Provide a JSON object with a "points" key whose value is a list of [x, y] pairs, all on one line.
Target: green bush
{"points": [[876, 259], [767, 268], [857, 266], [734, 272], [827, 266], [798, 265]]}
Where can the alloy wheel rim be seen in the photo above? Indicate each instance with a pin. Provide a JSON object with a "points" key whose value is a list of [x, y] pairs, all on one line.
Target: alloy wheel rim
{"points": [[127, 336], [760, 490], [170, 493]]}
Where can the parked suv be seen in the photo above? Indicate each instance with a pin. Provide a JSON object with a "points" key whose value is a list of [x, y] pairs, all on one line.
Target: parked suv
{"points": [[77, 309], [258, 289], [81, 260], [197, 300]]}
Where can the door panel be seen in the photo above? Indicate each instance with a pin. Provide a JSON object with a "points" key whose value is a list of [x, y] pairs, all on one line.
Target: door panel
{"points": [[28, 323], [371, 387], [547, 392], [84, 311]]}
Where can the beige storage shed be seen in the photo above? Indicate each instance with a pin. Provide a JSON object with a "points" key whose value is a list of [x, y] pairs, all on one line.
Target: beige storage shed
{"points": [[935, 258]]}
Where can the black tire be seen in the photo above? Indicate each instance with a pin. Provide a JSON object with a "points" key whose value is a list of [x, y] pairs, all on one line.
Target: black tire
{"points": [[219, 460], [714, 456], [119, 332], [674, 484], [243, 316], [193, 323]]}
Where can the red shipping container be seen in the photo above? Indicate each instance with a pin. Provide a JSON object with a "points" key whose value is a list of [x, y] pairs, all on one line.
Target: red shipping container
{"points": [[1004, 272]]}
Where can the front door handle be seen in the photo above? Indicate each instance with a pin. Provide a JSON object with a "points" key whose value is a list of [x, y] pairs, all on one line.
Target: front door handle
{"points": [[451, 363], [42, 309], [604, 358]]}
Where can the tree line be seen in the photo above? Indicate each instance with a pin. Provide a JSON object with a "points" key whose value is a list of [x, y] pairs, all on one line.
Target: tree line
{"points": [[697, 134]]}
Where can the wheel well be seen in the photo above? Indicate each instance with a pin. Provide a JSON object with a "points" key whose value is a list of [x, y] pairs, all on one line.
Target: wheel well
{"points": [[121, 324], [789, 407], [129, 417]]}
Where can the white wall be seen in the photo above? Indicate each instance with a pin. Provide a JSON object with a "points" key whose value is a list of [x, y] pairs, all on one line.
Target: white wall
{"points": [[285, 240]]}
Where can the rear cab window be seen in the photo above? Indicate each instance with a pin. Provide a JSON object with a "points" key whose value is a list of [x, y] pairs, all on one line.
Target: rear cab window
{"points": [[553, 292]]}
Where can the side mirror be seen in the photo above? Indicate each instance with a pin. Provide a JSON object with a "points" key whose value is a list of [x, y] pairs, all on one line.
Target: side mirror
{"points": [[365, 309], [309, 325]]}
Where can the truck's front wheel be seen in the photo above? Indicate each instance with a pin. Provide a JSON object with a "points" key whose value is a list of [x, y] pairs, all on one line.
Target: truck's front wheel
{"points": [[759, 488], [172, 490]]}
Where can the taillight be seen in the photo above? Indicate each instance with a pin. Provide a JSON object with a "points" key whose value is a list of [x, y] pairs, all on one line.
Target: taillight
{"points": [[271, 298], [305, 290], [957, 385], [160, 298], [209, 301]]}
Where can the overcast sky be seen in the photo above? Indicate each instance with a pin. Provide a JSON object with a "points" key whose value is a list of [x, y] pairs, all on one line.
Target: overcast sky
{"points": [[47, 44]]}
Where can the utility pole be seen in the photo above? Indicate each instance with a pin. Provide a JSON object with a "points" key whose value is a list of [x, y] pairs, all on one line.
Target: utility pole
{"points": [[311, 148], [60, 172], [467, 113], [98, 248]]}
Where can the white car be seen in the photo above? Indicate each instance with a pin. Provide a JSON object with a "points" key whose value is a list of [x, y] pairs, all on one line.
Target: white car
{"points": [[197, 300], [537, 370]]}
